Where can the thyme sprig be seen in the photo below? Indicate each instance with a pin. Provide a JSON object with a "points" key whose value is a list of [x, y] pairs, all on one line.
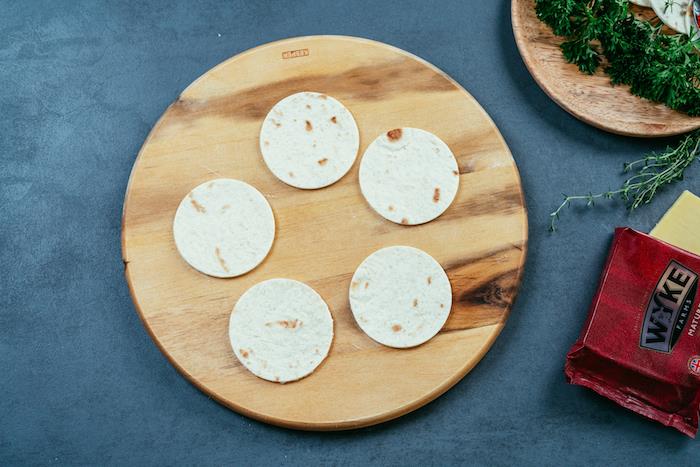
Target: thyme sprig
{"points": [[661, 67], [653, 172]]}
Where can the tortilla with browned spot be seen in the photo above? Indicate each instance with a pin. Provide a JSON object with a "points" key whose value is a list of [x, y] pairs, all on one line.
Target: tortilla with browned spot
{"points": [[309, 140], [224, 228], [409, 176], [281, 330], [405, 298]]}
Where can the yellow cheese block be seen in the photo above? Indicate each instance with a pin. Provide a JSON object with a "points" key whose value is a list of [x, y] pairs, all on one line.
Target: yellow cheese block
{"points": [[680, 226]]}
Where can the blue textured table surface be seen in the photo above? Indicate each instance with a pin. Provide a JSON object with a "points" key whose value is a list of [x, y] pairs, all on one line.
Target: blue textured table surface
{"points": [[82, 83]]}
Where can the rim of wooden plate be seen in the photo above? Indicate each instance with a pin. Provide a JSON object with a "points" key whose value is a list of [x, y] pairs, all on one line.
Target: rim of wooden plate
{"points": [[556, 83]]}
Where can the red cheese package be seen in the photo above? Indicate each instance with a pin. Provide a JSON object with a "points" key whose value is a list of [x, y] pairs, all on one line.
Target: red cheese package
{"points": [[640, 345]]}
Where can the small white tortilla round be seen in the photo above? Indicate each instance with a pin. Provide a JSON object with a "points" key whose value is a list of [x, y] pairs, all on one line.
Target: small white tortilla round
{"points": [[409, 176], [400, 296], [309, 140], [644, 3], [224, 228], [281, 330], [677, 16]]}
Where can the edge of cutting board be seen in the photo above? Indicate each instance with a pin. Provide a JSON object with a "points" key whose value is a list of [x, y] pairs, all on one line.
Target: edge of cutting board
{"points": [[491, 331]]}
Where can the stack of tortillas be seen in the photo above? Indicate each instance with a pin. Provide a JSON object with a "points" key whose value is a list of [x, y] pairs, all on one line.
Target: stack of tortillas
{"points": [[281, 329], [678, 15]]}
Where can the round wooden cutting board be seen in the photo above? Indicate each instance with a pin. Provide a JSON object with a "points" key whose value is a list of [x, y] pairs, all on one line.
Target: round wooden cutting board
{"points": [[212, 130], [591, 99]]}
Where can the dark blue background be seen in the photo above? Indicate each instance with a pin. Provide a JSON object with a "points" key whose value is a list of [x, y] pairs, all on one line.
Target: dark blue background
{"points": [[82, 83]]}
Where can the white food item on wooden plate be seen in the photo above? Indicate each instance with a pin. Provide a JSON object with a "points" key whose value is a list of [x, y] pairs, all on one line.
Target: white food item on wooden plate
{"points": [[224, 228], [676, 14], [309, 140], [644, 3], [281, 330], [400, 296], [409, 176]]}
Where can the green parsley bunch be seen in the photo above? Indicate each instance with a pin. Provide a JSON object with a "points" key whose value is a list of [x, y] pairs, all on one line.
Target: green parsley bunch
{"points": [[657, 66]]}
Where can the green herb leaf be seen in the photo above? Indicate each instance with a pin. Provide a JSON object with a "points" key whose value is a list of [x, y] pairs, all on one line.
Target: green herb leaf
{"points": [[661, 67], [653, 172]]}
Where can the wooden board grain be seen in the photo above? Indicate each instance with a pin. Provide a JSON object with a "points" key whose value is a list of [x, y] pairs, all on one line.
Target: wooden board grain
{"points": [[590, 98], [323, 235]]}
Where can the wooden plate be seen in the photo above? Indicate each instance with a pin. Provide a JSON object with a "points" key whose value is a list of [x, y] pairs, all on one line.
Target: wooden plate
{"points": [[591, 99], [323, 235]]}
